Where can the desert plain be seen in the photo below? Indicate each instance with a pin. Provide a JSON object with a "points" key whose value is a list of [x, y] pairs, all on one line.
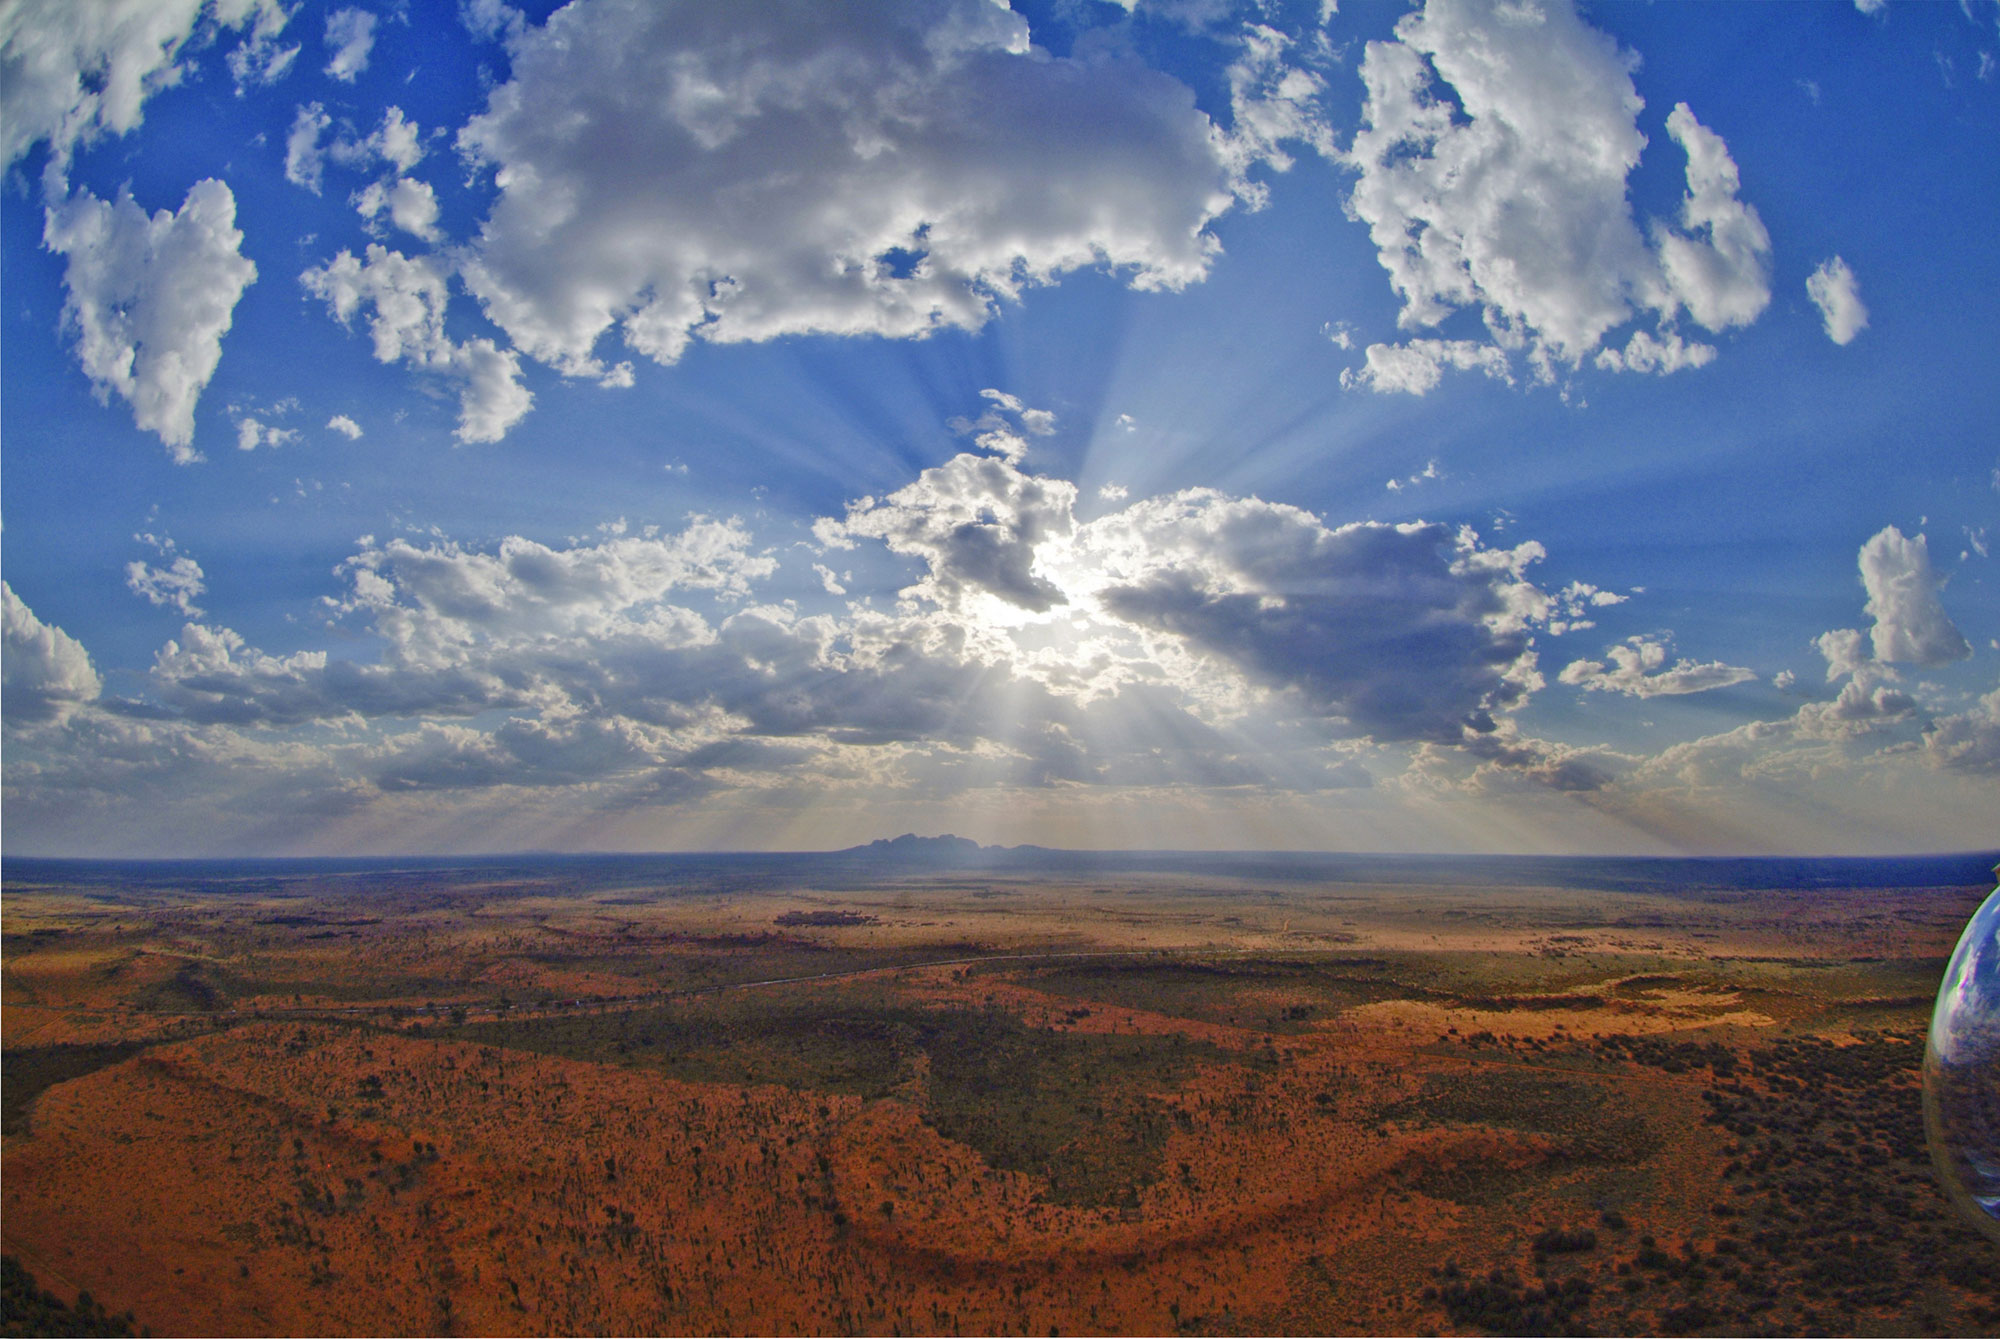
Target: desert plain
{"points": [[563, 1097]]}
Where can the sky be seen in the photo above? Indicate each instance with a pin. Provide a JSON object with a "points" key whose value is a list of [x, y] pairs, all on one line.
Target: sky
{"points": [[1470, 426]]}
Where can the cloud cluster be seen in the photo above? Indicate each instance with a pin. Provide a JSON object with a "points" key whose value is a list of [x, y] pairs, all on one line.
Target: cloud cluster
{"points": [[150, 298], [1967, 741], [1492, 163], [397, 143], [1872, 731], [784, 167], [72, 72], [406, 298], [1194, 639]]}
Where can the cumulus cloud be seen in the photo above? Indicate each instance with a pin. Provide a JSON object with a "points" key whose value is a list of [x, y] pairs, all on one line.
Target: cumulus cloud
{"points": [[1214, 640], [756, 170], [150, 299], [1837, 293], [1845, 650], [1508, 194], [406, 296], [350, 34], [1968, 741], [1401, 632], [1273, 102], [407, 203], [305, 161], [174, 584], [410, 204], [1639, 668], [1648, 353], [1911, 626], [1197, 639], [521, 753], [1569, 609], [345, 426], [1507, 757], [1873, 726], [259, 58], [45, 674], [71, 73], [1416, 366], [252, 433], [492, 20], [1718, 265], [1863, 702], [430, 597], [976, 521]]}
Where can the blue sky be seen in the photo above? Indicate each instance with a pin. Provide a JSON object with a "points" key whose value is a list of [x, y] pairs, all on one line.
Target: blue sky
{"points": [[1451, 427]]}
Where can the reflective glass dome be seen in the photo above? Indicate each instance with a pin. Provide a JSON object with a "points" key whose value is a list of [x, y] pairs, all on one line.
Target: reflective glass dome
{"points": [[1962, 1072]]}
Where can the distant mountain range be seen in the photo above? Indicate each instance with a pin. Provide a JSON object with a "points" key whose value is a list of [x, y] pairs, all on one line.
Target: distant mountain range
{"points": [[947, 850]]}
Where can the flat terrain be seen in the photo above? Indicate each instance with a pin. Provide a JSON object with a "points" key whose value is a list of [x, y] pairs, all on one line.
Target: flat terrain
{"points": [[500, 1101]]}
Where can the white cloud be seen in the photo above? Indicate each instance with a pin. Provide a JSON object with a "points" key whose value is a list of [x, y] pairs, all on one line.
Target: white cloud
{"points": [[1845, 650], [1871, 6], [1646, 353], [1835, 291], [350, 33], [1566, 610], [1005, 428], [1425, 475], [749, 171], [305, 161], [1968, 741], [150, 299], [45, 674], [1864, 702], [442, 595], [1510, 195], [258, 58], [1639, 668], [345, 426], [407, 296], [398, 142], [172, 585], [70, 72], [1272, 102], [1718, 266], [251, 434], [410, 204], [1911, 625], [1415, 367], [491, 20], [976, 521]]}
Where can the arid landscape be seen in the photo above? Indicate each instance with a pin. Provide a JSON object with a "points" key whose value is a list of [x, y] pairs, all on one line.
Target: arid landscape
{"points": [[565, 1097]]}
